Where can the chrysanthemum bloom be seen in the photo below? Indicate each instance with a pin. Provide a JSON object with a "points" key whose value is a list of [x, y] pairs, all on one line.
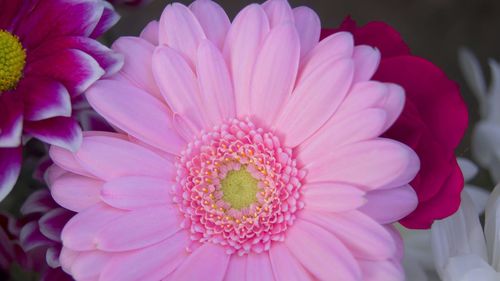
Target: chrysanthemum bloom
{"points": [[248, 151], [47, 58], [432, 123]]}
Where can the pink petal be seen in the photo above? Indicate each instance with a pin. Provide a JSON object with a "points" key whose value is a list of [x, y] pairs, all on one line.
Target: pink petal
{"points": [[332, 197], [75, 69], [180, 30], [378, 163], [304, 114], [138, 54], [45, 98], [209, 260], [321, 253], [336, 46], [274, 74], [158, 260], [61, 131], [52, 173], [150, 32], [67, 160], [109, 157], [178, 85], [381, 270], [364, 125], [76, 192], [285, 265], [80, 231], [143, 228], [308, 26], [259, 267], [136, 192], [390, 205], [241, 48], [363, 236], [236, 269], [215, 83], [136, 113], [366, 60], [213, 20], [278, 12], [67, 258], [10, 166], [52, 223], [88, 265]]}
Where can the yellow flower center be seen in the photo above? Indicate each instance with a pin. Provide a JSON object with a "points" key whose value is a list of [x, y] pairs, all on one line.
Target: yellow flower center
{"points": [[239, 188], [12, 60]]}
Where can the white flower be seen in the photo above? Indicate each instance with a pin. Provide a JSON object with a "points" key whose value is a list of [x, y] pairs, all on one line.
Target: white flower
{"points": [[486, 135]]}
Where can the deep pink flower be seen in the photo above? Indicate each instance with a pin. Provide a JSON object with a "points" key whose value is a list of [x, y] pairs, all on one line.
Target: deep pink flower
{"points": [[48, 57], [433, 121], [246, 150]]}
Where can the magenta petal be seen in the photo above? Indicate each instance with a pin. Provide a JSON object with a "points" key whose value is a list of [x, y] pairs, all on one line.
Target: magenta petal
{"points": [[61, 131], [11, 120], [108, 60], [108, 19], [52, 223], [39, 201], [44, 98], [10, 165], [73, 68], [65, 18], [31, 237]]}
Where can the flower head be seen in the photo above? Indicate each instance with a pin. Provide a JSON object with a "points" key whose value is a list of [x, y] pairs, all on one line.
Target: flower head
{"points": [[247, 150], [432, 123], [48, 57]]}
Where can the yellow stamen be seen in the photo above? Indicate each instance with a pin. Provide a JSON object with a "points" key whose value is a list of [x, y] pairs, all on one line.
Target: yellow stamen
{"points": [[12, 61]]}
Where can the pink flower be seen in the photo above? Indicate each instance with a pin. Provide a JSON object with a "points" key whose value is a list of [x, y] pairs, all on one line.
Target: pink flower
{"points": [[433, 121], [48, 57], [247, 151]]}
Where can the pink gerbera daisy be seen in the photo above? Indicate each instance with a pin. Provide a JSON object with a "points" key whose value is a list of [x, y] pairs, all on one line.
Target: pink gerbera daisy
{"points": [[48, 57], [247, 151]]}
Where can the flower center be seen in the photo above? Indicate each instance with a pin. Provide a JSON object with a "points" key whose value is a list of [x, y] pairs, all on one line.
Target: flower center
{"points": [[12, 61], [239, 188]]}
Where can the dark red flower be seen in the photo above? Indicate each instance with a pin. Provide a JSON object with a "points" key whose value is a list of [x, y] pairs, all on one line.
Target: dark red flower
{"points": [[433, 121]]}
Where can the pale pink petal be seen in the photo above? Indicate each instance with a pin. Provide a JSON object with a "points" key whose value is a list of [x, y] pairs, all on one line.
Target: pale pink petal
{"points": [[180, 30], [390, 205], [136, 113], [336, 46], [178, 85], [150, 32], [208, 260], [89, 264], [143, 227], [52, 173], [366, 60], [108, 158], [259, 267], [285, 265], [158, 261], [137, 67], [215, 83], [241, 48], [274, 74], [364, 125], [321, 253], [67, 258], [362, 235], [394, 103], [315, 100], [76, 192], [67, 160], [332, 197], [236, 269], [308, 26], [381, 270], [213, 20], [384, 163], [278, 12], [79, 233], [135, 192]]}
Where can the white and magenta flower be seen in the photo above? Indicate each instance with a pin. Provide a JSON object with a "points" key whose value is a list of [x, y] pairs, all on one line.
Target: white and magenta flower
{"points": [[247, 150], [48, 57]]}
